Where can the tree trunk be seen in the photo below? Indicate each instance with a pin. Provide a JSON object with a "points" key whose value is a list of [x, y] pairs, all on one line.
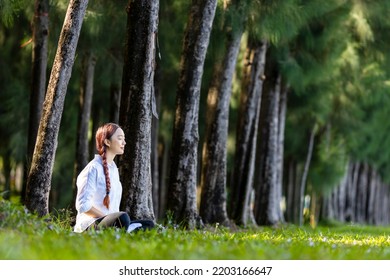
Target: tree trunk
{"points": [[39, 179], [183, 173], [155, 147], [291, 187], [361, 189], [373, 187], [350, 193], [247, 132], [96, 115], [267, 204], [84, 117], [38, 83], [280, 146], [7, 174], [305, 173], [115, 101], [213, 177], [163, 157], [371, 195], [136, 108]]}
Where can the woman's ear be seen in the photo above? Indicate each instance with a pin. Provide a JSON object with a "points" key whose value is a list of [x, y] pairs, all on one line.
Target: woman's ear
{"points": [[107, 142]]}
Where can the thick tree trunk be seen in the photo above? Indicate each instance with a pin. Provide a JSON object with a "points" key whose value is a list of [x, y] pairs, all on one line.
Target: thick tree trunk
{"points": [[183, 173], [213, 178], [38, 83], [267, 204], [136, 108], [85, 106], [250, 103], [39, 179]]}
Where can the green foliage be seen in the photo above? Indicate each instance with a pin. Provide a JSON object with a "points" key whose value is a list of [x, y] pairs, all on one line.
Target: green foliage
{"points": [[329, 163], [276, 21], [9, 9], [25, 236]]}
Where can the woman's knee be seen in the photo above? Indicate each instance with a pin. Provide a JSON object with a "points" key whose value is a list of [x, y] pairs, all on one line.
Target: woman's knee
{"points": [[124, 219]]}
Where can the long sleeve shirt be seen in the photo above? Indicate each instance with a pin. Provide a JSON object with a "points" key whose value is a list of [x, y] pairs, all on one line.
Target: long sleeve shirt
{"points": [[91, 190]]}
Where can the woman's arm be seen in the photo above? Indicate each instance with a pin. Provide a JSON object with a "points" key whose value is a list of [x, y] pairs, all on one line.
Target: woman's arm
{"points": [[95, 213]]}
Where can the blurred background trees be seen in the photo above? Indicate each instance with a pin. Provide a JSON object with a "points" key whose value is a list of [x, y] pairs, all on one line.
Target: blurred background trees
{"points": [[316, 132]]}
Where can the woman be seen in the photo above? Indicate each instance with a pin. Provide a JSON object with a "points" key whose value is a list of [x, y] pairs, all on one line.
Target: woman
{"points": [[99, 189]]}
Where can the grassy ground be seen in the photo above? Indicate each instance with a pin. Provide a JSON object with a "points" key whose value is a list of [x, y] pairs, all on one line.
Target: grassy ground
{"points": [[24, 237]]}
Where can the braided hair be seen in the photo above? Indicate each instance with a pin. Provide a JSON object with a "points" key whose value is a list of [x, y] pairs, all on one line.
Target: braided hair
{"points": [[105, 132]]}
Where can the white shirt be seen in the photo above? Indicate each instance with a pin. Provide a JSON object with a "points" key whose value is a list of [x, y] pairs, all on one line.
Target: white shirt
{"points": [[91, 190]]}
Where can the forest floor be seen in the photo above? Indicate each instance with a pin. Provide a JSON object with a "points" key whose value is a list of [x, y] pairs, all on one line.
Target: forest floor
{"points": [[24, 236]]}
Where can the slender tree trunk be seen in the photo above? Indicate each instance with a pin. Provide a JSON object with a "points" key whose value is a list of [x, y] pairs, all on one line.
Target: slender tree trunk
{"points": [[136, 108], [341, 198], [305, 173], [371, 197], [247, 132], [39, 179], [291, 205], [39, 67], [96, 115], [280, 146], [361, 189], [350, 193], [7, 174], [163, 157], [183, 173], [267, 204], [115, 100], [154, 152], [213, 178], [84, 118]]}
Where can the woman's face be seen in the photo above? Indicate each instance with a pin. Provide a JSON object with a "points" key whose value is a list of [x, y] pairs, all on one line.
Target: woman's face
{"points": [[116, 144]]}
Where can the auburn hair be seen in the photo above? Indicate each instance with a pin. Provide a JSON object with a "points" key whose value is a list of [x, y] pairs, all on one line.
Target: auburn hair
{"points": [[105, 132]]}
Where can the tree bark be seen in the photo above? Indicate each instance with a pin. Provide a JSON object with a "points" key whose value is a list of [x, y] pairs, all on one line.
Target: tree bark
{"points": [[136, 108], [39, 179], [242, 183], [38, 82], [280, 145], [155, 147], [184, 158], [267, 203], [213, 178]]}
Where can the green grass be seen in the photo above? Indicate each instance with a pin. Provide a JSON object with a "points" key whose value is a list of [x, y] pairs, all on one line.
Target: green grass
{"points": [[24, 236]]}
